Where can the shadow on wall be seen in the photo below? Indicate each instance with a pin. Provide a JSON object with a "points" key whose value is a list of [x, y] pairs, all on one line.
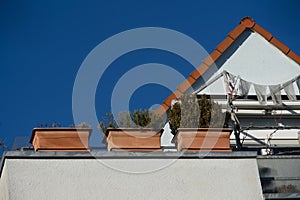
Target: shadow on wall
{"points": [[272, 182]]}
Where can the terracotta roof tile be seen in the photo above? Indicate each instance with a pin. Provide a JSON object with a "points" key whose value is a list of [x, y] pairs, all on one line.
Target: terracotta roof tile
{"points": [[224, 44], [248, 22], [235, 33], [294, 57], [185, 85], [245, 23], [212, 58], [285, 49], [161, 109], [173, 96], [199, 71], [178, 94], [263, 32]]}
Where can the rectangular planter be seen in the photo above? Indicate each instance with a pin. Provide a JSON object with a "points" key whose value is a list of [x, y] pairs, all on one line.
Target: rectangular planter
{"points": [[61, 139], [133, 139], [204, 139]]}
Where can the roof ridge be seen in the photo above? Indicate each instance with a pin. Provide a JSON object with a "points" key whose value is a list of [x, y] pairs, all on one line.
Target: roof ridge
{"points": [[245, 23]]}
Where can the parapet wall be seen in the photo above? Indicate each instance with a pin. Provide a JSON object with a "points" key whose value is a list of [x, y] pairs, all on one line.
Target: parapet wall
{"points": [[131, 176]]}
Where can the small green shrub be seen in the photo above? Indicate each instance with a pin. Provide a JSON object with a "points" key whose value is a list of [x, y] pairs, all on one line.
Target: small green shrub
{"points": [[83, 125], [137, 119], [190, 112], [108, 121]]}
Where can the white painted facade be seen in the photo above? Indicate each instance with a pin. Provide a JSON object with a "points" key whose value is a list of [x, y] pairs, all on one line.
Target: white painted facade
{"points": [[34, 179], [254, 59]]}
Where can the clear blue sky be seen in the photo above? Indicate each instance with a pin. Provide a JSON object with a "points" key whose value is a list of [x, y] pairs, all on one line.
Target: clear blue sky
{"points": [[43, 43]]}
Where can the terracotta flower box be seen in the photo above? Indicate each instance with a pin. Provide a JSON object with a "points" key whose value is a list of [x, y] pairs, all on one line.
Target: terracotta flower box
{"points": [[133, 139], [61, 139], [204, 139]]}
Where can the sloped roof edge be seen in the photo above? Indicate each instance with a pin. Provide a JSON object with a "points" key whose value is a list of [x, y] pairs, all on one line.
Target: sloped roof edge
{"points": [[245, 23]]}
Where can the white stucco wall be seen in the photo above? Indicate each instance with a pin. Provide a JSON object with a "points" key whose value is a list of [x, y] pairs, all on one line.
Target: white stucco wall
{"points": [[258, 61], [91, 179], [4, 182]]}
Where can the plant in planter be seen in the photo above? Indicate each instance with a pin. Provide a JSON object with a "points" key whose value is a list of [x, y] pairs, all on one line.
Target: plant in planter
{"points": [[108, 121], [137, 131], [199, 125], [72, 139]]}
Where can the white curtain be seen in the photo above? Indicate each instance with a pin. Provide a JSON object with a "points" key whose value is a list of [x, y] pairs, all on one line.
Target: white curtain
{"points": [[275, 91], [290, 92], [261, 93], [298, 84], [244, 87], [238, 86]]}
